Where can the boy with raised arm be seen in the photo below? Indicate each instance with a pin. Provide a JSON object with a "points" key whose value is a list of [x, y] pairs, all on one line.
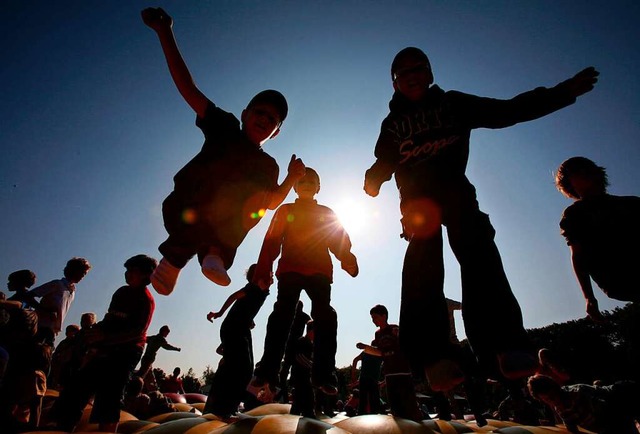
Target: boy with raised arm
{"points": [[424, 141], [225, 189]]}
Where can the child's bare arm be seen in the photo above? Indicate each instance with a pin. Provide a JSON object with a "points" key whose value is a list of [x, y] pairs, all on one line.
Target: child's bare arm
{"points": [[584, 280], [295, 171], [230, 300], [158, 20]]}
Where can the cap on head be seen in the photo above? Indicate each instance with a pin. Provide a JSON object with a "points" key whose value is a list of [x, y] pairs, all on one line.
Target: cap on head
{"points": [[274, 98], [413, 52], [144, 263]]}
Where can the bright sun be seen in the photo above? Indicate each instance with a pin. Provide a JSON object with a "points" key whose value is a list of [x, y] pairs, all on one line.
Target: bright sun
{"points": [[355, 215]]}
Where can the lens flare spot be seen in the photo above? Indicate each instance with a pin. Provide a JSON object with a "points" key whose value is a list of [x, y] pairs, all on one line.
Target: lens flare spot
{"points": [[189, 216]]}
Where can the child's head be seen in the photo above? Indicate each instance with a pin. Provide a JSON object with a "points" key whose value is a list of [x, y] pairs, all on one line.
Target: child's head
{"points": [[164, 330], [21, 280], [176, 371], [76, 269], [379, 314], [579, 175], [139, 269], [250, 272], [545, 389], [262, 118], [411, 73], [87, 320], [309, 185], [71, 330]]}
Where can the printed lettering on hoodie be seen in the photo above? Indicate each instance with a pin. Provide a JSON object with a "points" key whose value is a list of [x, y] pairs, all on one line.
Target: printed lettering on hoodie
{"points": [[409, 128]]}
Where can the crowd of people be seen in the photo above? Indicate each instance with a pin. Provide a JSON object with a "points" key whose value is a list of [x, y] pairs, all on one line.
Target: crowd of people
{"points": [[224, 191]]}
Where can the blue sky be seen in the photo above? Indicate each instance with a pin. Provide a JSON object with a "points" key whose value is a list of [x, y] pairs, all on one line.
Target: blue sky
{"points": [[93, 130]]}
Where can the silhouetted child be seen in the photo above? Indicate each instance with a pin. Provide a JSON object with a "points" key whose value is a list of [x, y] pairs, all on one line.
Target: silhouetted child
{"points": [[173, 382], [602, 409], [57, 296], [300, 320], [304, 234], [61, 358], [19, 282], [154, 343], [367, 382], [225, 189], [303, 402], [424, 141], [353, 403], [609, 258], [231, 378], [401, 393], [115, 348], [135, 401]]}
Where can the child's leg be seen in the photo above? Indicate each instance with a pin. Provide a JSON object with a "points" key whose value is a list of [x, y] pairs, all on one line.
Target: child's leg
{"points": [[424, 322], [491, 313], [325, 322], [402, 396], [278, 327]]}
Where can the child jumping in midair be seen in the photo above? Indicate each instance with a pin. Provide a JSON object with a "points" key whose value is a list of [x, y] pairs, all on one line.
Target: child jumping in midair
{"points": [[424, 141], [225, 189], [303, 233]]}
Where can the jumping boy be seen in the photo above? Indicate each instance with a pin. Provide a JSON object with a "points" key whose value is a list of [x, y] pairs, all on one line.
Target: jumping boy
{"points": [[587, 224], [304, 232], [234, 373], [424, 141], [225, 189], [115, 347]]}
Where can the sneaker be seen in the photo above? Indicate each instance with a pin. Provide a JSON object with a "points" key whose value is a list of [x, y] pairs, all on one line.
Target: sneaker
{"points": [[444, 375], [517, 364], [164, 277], [213, 269]]}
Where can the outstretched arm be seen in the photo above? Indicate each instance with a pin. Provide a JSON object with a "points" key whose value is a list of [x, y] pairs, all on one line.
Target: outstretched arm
{"points": [[582, 82], [584, 280], [168, 346], [230, 300], [295, 171], [158, 20]]}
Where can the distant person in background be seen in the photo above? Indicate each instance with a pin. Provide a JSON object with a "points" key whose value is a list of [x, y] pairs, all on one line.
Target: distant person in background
{"points": [[154, 343], [57, 296], [172, 383], [603, 409], [19, 282], [62, 357], [602, 233], [303, 402], [298, 326], [115, 348], [424, 141], [231, 378], [367, 382]]}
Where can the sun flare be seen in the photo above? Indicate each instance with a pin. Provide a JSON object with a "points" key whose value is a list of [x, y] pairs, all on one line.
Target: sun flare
{"points": [[355, 215]]}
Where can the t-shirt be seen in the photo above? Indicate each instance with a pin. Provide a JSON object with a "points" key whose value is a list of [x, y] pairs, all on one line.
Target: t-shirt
{"points": [[129, 313], [387, 341], [230, 179], [606, 228], [240, 317]]}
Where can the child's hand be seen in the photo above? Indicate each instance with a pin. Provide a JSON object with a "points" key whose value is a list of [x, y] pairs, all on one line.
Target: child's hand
{"points": [[371, 184], [156, 18], [351, 266], [213, 315], [361, 346], [582, 82], [296, 168]]}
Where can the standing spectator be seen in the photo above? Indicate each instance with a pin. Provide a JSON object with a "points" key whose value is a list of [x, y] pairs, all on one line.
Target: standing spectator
{"points": [[57, 296], [115, 347]]}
